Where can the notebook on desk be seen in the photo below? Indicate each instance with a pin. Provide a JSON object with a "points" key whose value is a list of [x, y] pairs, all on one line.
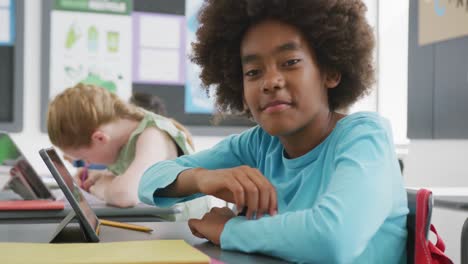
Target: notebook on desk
{"points": [[149, 251], [31, 205]]}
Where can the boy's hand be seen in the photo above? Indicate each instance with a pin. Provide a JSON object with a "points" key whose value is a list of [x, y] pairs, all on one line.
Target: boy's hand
{"points": [[212, 224], [244, 186]]}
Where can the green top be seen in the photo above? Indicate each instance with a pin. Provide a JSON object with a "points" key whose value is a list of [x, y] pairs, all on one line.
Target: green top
{"points": [[192, 209], [127, 154]]}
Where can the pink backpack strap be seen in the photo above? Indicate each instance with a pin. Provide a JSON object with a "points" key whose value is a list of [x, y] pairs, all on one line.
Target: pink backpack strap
{"points": [[422, 253], [425, 251]]}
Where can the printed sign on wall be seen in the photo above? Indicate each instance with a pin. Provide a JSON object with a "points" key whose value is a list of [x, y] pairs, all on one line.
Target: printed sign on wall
{"points": [[158, 48], [91, 43], [7, 23], [442, 20]]}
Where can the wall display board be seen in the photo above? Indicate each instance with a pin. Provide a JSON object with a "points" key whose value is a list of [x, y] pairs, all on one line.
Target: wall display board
{"points": [[87, 41], [7, 22], [441, 20], [11, 64], [437, 71], [158, 48], [128, 46], [163, 31]]}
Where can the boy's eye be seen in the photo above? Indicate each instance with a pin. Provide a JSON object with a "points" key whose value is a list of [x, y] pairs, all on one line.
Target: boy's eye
{"points": [[251, 73], [291, 62]]}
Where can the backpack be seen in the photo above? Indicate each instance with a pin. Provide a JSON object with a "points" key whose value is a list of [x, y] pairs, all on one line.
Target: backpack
{"points": [[425, 252]]}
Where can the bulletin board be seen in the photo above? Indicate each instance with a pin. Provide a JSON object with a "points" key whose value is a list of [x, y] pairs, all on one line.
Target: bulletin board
{"points": [[157, 58], [86, 41], [184, 98], [437, 70]]}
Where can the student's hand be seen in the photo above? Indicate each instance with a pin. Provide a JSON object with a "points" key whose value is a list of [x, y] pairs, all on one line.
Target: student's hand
{"points": [[98, 188], [244, 186], [90, 180], [212, 224]]}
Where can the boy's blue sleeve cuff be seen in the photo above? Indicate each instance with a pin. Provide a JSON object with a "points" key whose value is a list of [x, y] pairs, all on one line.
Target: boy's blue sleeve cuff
{"points": [[228, 239], [157, 177]]}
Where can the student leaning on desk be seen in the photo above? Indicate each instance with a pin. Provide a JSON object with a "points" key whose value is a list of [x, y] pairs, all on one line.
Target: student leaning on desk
{"points": [[92, 124], [319, 186]]}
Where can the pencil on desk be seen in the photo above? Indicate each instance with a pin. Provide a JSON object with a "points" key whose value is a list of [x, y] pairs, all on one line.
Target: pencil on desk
{"points": [[126, 226]]}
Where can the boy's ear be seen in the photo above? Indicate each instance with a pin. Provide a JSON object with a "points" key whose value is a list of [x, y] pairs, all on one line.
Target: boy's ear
{"points": [[332, 79], [99, 137]]}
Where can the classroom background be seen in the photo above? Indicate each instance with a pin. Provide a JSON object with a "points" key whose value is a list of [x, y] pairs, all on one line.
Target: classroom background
{"points": [[421, 60]]}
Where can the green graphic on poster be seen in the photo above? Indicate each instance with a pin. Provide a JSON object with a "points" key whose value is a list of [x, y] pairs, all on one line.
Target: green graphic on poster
{"points": [[96, 80], [113, 41], [93, 39], [73, 35]]}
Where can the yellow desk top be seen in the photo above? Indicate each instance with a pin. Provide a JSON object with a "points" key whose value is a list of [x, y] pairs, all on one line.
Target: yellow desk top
{"points": [[149, 251]]}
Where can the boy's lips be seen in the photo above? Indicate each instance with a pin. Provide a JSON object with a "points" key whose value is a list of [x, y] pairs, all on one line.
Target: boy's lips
{"points": [[275, 105]]}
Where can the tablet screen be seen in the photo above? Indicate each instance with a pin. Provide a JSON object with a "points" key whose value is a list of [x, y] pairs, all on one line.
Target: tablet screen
{"points": [[70, 189]]}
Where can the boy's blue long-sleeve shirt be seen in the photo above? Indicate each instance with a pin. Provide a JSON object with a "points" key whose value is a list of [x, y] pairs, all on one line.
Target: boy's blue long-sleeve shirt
{"points": [[342, 202]]}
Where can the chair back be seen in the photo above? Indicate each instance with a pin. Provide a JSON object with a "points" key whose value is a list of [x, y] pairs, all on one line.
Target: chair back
{"points": [[417, 198]]}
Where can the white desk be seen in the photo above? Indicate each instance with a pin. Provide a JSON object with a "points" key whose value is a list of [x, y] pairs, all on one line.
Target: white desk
{"points": [[139, 213], [450, 197]]}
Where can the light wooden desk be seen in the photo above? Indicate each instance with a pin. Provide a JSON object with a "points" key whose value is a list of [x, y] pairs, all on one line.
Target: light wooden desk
{"points": [[40, 233]]}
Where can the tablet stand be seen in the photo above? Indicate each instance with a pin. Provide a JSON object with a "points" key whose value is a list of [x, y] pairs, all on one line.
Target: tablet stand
{"points": [[63, 224]]}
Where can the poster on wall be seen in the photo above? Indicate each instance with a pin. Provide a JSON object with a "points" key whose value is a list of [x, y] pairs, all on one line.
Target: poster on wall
{"points": [[441, 20], [196, 99], [158, 48], [7, 23], [90, 42]]}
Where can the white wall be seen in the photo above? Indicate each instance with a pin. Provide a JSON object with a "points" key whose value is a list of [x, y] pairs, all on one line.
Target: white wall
{"points": [[31, 139], [392, 65], [437, 163]]}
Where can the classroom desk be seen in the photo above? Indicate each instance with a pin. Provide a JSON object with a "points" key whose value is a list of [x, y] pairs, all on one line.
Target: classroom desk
{"points": [[455, 198], [40, 233], [139, 213]]}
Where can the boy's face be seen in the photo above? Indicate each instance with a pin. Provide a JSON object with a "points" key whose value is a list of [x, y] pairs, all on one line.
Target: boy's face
{"points": [[284, 88]]}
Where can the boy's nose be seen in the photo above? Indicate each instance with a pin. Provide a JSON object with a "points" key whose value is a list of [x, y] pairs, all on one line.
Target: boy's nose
{"points": [[273, 80]]}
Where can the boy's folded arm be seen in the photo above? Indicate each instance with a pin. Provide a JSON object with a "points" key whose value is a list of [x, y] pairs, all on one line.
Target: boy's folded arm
{"points": [[226, 154], [156, 178]]}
